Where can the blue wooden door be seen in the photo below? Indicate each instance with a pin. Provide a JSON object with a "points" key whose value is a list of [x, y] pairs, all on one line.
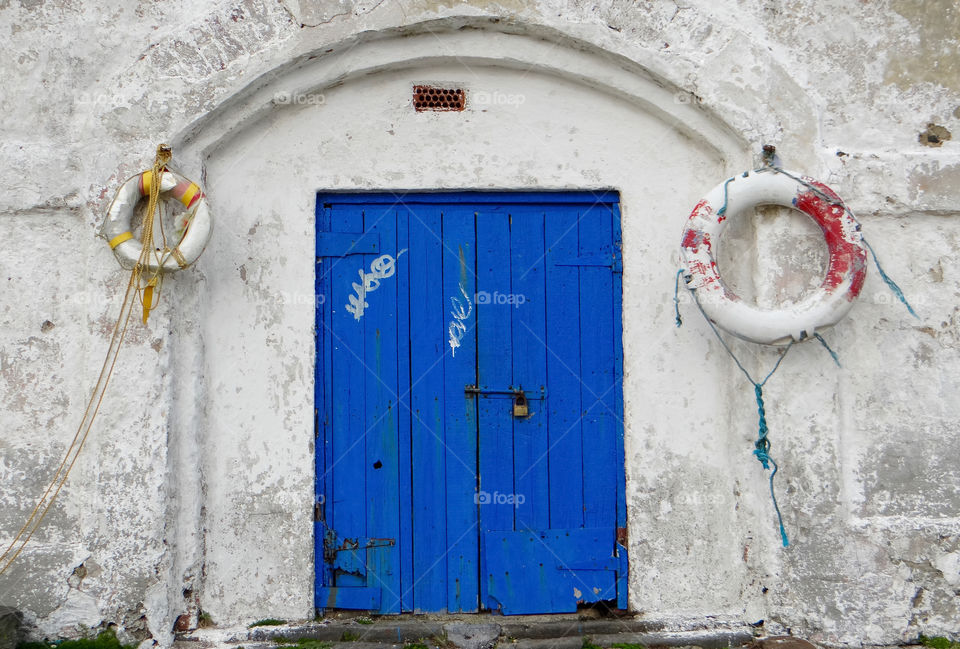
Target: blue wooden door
{"points": [[469, 404]]}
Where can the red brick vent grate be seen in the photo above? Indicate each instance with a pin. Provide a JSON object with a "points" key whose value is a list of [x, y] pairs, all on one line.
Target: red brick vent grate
{"points": [[433, 98]]}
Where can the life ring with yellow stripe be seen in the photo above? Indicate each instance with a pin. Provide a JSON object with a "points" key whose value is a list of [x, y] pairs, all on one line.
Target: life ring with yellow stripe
{"points": [[194, 225]]}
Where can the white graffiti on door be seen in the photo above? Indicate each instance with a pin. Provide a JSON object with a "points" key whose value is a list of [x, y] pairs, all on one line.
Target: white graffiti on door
{"points": [[460, 313], [380, 268]]}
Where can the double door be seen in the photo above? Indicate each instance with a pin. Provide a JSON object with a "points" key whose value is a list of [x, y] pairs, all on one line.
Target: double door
{"points": [[469, 406]]}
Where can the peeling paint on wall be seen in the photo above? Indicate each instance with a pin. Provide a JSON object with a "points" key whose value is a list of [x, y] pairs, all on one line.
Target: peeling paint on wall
{"points": [[206, 438], [934, 135]]}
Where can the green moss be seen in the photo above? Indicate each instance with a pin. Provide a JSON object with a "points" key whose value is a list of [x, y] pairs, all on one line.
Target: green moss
{"points": [[267, 622], [627, 645], [349, 636], [105, 640], [588, 644], [415, 645], [938, 642], [303, 643]]}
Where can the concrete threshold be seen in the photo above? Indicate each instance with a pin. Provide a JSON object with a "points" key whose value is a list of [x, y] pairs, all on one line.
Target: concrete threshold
{"points": [[470, 632]]}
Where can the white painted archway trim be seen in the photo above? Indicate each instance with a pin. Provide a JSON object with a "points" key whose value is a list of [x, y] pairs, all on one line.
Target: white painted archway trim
{"points": [[563, 57]]}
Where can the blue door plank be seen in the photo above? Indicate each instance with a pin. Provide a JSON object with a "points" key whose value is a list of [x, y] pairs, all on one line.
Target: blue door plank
{"points": [[563, 370], [356, 598], [586, 562], [341, 244], [405, 541], [597, 362], [460, 369], [530, 443], [495, 372], [427, 343], [551, 570], [380, 365], [322, 376], [353, 562], [348, 395]]}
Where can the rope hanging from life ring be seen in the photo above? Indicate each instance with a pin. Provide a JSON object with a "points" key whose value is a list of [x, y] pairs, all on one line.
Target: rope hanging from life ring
{"points": [[147, 264], [825, 307]]}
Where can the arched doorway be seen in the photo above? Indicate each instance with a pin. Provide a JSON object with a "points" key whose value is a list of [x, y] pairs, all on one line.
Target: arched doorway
{"points": [[540, 116]]}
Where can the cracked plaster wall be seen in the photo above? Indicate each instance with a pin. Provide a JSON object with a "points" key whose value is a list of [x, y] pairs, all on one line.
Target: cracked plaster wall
{"points": [[846, 90]]}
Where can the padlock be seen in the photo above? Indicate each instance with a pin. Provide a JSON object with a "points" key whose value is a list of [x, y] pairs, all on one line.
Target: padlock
{"points": [[520, 407]]}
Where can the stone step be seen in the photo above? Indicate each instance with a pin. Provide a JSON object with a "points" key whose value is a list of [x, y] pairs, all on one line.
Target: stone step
{"points": [[536, 633]]}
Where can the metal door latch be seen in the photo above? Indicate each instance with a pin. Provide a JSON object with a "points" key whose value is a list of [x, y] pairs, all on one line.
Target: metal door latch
{"points": [[521, 402]]}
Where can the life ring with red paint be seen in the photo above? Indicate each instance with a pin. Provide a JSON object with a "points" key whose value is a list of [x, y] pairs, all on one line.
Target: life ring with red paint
{"points": [[823, 308], [194, 225]]}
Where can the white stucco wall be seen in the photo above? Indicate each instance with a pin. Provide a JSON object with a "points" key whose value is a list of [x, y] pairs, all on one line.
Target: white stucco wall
{"points": [[196, 488]]}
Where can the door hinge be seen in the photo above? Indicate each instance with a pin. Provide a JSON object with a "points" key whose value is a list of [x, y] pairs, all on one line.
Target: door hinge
{"points": [[622, 536], [616, 262], [332, 544]]}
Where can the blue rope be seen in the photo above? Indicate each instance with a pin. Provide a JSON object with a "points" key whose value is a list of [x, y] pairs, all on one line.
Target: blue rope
{"points": [[676, 298], [723, 209], [833, 354], [762, 451], [889, 282], [762, 445]]}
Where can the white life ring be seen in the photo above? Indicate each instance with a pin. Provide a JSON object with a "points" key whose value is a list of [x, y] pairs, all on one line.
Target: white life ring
{"points": [[196, 224], [824, 307]]}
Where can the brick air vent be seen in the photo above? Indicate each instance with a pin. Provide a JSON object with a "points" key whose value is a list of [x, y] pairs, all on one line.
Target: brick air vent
{"points": [[433, 98]]}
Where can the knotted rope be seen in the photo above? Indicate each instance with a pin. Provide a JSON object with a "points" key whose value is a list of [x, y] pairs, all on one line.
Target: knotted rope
{"points": [[149, 287], [762, 451], [762, 445]]}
